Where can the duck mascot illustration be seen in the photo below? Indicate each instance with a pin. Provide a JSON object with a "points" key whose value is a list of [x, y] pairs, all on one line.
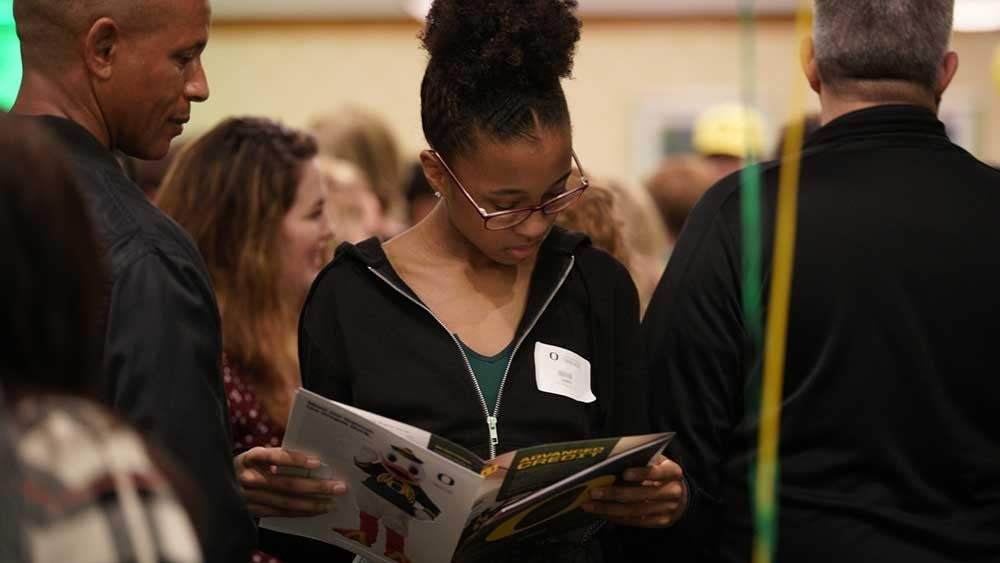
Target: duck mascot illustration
{"points": [[392, 494]]}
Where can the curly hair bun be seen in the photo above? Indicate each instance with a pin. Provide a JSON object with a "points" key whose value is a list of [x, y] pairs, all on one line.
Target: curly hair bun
{"points": [[503, 44]]}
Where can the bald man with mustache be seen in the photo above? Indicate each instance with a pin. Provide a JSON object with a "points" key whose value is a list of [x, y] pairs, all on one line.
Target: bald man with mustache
{"points": [[122, 75]]}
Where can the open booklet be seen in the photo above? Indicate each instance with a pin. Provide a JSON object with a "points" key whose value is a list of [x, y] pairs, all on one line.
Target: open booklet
{"points": [[414, 497]]}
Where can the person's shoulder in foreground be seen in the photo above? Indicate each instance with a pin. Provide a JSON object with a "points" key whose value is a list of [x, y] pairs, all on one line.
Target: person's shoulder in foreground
{"points": [[88, 480]]}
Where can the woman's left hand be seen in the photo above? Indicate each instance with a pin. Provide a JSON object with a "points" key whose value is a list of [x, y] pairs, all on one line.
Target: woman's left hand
{"points": [[657, 498]]}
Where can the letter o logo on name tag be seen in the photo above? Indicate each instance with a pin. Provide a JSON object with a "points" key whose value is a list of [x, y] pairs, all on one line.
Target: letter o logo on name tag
{"points": [[561, 371]]}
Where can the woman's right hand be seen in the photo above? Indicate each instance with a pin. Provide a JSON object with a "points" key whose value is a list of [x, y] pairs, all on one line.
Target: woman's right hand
{"points": [[269, 493]]}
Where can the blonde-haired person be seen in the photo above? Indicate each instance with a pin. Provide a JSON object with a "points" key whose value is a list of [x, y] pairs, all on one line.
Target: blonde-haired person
{"points": [[351, 204], [252, 196], [646, 236], [644, 245], [363, 138], [599, 217]]}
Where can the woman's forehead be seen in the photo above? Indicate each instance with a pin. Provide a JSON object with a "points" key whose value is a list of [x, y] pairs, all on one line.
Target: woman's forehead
{"points": [[312, 184], [517, 166]]}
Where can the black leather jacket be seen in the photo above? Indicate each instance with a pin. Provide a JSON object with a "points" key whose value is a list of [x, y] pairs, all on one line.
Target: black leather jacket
{"points": [[162, 345]]}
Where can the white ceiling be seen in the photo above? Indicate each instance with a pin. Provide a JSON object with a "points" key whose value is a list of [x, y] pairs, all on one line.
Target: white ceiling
{"points": [[348, 9]]}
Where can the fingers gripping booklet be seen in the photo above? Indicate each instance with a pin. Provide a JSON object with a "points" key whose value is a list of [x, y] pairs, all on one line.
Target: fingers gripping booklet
{"points": [[414, 497]]}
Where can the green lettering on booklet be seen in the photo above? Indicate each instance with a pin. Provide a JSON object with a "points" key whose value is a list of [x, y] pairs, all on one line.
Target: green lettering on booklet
{"points": [[540, 466]]}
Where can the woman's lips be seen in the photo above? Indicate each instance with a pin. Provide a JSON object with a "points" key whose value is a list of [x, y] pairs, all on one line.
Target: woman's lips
{"points": [[522, 252]]}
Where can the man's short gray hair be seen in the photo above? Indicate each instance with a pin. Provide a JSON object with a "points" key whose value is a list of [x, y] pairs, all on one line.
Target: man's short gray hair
{"points": [[48, 28], [902, 40]]}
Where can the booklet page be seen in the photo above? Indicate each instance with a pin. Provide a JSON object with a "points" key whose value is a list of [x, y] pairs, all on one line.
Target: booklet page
{"points": [[402, 500]]}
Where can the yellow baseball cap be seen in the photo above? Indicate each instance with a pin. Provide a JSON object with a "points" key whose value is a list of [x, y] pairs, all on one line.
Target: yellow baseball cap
{"points": [[729, 129]]}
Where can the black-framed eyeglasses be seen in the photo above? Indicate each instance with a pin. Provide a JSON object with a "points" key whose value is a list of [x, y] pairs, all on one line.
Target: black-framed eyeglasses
{"points": [[510, 218]]}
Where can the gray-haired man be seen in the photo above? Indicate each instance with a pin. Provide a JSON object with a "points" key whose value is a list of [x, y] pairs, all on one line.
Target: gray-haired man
{"points": [[890, 445], [108, 75]]}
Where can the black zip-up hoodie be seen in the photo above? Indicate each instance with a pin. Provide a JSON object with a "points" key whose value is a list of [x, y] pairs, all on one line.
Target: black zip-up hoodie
{"points": [[365, 339]]}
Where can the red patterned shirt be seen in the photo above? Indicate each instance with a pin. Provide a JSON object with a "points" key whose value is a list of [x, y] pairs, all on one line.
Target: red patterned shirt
{"points": [[249, 423]]}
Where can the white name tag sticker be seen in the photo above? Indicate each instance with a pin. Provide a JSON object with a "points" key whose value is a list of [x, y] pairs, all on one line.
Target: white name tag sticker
{"points": [[562, 372]]}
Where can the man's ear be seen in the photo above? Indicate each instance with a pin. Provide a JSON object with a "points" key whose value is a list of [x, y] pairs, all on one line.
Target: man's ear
{"points": [[807, 57], [946, 72], [435, 173], [101, 46]]}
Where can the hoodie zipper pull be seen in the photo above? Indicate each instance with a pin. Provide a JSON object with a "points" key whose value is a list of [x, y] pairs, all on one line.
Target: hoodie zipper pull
{"points": [[494, 436]]}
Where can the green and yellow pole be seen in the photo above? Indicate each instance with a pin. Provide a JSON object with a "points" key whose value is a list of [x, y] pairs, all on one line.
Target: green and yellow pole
{"points": [[764, 394]]}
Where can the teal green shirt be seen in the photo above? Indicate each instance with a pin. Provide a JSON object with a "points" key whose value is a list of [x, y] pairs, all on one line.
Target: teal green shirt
{"points": [[489, 372]]}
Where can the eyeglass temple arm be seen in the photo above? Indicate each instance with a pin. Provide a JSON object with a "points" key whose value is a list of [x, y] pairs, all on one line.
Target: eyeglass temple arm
{"points": [[583, 175], [461, 188]]}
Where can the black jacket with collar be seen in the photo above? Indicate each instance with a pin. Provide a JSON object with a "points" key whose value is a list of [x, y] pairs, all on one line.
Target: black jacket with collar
{"points": [[366, 340], [162, 343], [890, 442]]}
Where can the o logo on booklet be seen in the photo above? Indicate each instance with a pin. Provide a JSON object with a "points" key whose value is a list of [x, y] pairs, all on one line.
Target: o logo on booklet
{"points": [[545, 510], [554, 356]]}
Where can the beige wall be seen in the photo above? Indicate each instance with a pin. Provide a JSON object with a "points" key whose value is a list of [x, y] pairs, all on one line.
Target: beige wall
{"points": [[627, 75]]}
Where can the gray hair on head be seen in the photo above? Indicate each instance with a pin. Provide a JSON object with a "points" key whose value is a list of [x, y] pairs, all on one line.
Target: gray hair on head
{"points": [[879, 40], [48, 29]]}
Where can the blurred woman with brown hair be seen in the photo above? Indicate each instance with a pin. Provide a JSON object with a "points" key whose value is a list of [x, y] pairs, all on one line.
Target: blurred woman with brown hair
{"points": [[251, 195]]}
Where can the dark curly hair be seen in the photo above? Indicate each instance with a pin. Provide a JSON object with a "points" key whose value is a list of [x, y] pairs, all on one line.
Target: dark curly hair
{"points": [[495, 69]]}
